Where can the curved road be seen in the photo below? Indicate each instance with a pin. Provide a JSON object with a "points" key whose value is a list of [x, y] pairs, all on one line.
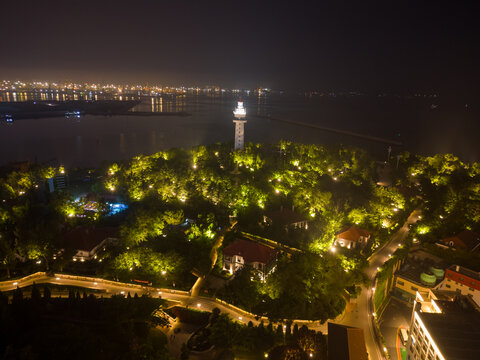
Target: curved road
{"points": [[116, 288], [360, 316]]}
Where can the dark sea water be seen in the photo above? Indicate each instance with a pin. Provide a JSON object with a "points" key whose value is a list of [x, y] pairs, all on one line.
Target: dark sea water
{"points": [[425, 125]]}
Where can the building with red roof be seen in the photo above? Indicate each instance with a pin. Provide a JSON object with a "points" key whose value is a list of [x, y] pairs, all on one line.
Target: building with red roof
{"points": [[466, 240], [463, 281], [244, 252], [352, 238]]}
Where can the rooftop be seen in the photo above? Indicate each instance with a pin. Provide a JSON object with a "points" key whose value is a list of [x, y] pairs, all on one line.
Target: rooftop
{"points": [[420, 262], [285, 216], [250, 251], [464, 271], [346, 343], [465, 240], [456, 330], [86, 238], [353, 233]]}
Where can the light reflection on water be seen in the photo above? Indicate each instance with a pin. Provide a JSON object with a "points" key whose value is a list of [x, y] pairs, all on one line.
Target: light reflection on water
{"points": [[91, 139]]}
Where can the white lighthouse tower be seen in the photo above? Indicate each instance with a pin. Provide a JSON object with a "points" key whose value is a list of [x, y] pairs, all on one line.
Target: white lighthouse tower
{"points": [[240, 115]]}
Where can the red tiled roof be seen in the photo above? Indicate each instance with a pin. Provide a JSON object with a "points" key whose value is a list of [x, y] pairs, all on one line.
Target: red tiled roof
{"points": [[466, 240], [464, 276], [353, 234], [250, 251], [86, 238], [285, 217]]}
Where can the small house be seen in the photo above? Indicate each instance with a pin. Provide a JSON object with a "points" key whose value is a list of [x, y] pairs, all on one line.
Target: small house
{"points": [[88, 242], [466, 240], [245, 252], [352, 238], [286, 218]]}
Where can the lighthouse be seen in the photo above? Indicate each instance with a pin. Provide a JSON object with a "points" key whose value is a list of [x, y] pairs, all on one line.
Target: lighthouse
{"points": [[239, 119]]}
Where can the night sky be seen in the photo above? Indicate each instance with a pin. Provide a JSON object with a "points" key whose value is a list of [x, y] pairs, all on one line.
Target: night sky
{"points": [[392, 46]]}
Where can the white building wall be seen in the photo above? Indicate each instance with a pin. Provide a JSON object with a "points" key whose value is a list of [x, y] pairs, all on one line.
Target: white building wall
{"points": [[420, 343], [451, 285], [239, 134]]}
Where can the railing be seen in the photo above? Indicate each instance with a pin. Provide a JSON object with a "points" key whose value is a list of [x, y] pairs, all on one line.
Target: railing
{"points": [[42, 278]]}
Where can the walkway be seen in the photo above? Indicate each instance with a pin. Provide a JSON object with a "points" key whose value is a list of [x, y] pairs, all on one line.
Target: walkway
{"points": [[362, 315]]}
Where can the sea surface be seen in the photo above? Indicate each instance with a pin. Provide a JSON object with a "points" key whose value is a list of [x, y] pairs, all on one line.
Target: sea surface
{"points": [[423, 124]]}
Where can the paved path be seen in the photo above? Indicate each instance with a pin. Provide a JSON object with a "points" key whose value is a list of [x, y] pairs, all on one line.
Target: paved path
{"points": [[116, 288], [195, 291], [362, 315], [359, 316], [395, 316]]}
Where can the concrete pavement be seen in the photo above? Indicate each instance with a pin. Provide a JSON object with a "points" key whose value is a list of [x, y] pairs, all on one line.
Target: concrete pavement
{"points": [[116, 288], [362, 315], [395, 316], [359, 316]]}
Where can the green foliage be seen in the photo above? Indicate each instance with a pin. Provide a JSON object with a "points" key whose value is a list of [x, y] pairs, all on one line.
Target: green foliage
{"points": [[306, 286], [117, 328], [149, 264], [147, 223], [260, 340], [203, 228]]}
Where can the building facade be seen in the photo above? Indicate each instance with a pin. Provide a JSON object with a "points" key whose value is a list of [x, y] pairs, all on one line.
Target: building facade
{"points": [[89, 242], [245, 252], [444, 326], [286, 218], [466, 240], [419, 272], [463, 281], [352, 238]]}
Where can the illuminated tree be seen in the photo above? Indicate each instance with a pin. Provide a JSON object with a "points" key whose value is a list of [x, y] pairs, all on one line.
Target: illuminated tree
{"points": [[146, 262], [145, 223]]}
